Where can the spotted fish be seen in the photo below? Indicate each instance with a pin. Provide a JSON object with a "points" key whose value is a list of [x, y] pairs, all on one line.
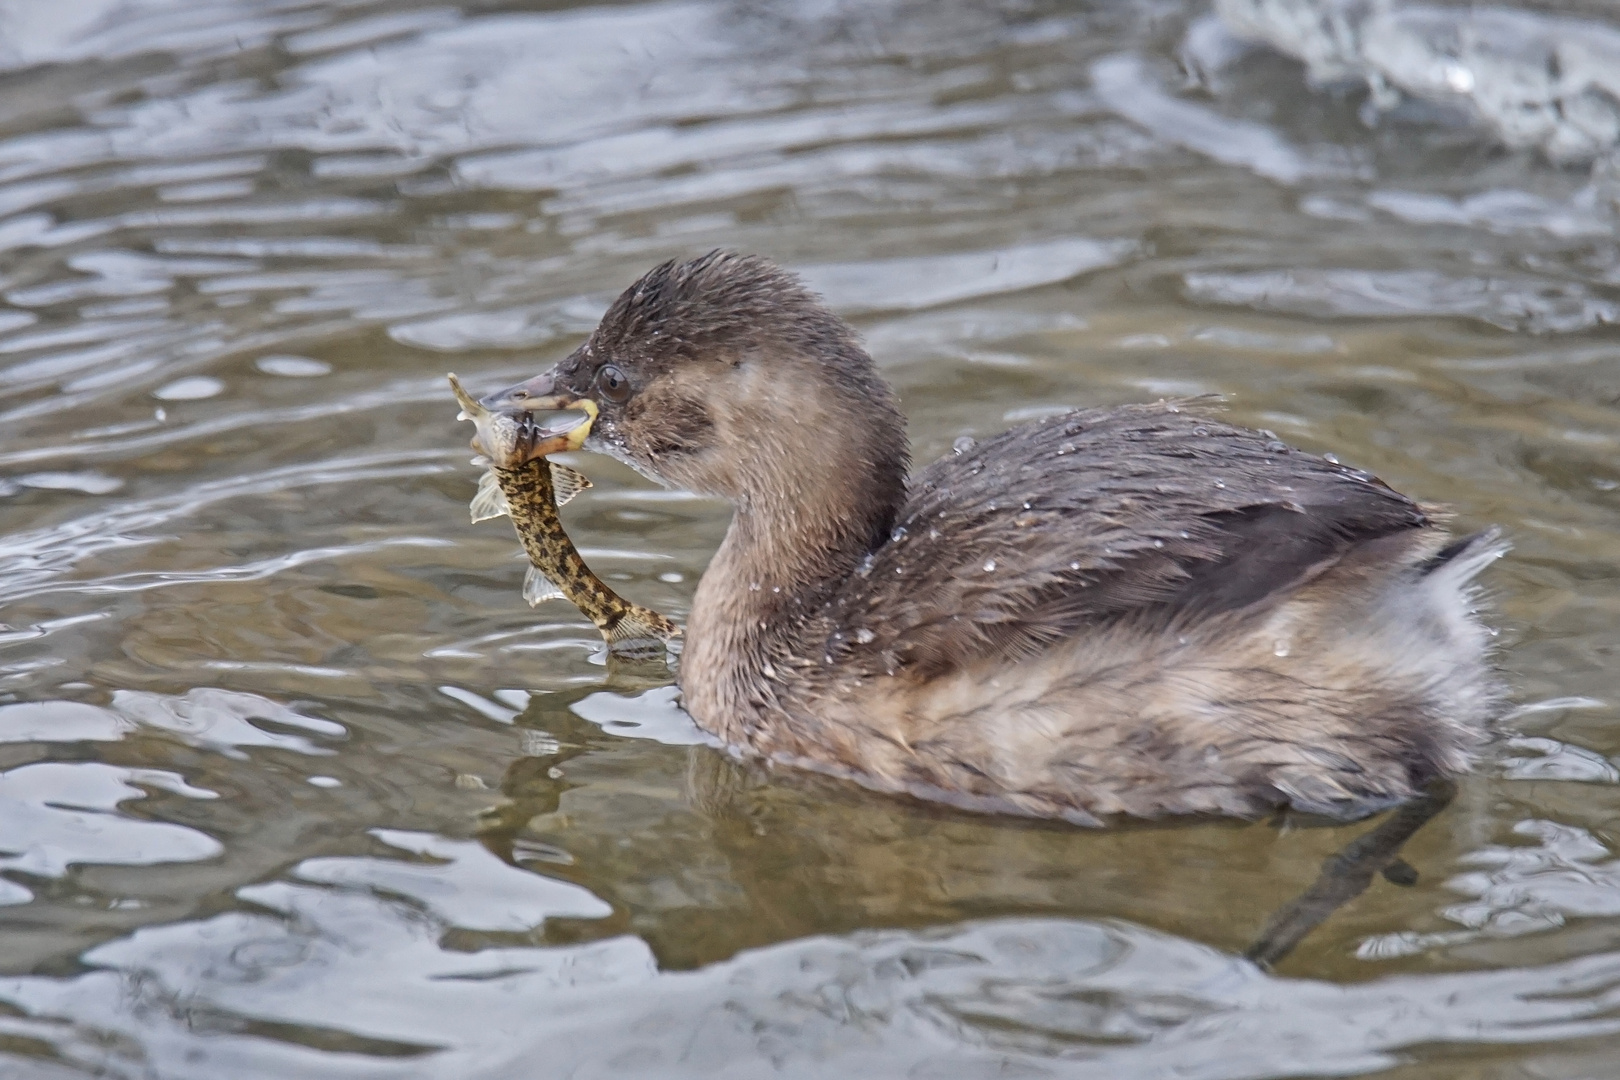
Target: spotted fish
{"points": [[523, 485]]}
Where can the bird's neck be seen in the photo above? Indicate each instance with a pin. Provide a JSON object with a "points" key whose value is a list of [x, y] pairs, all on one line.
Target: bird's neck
{"points": [[792, 542]]}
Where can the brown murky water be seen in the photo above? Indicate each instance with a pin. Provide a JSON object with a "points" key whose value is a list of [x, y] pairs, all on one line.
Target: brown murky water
{"points": [[293, 782]]}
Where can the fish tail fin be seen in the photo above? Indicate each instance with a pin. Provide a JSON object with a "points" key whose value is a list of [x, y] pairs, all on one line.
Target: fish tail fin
{"points": [[490, 502], [566, 482], [470, 409], [642, 626], [537, 588]]}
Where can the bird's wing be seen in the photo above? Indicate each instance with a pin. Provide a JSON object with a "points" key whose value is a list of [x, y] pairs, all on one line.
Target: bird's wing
{"points": [[1147, 512]]}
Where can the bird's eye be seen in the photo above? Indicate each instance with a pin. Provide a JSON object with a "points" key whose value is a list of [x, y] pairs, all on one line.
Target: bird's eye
{"points": [[611, 384]]}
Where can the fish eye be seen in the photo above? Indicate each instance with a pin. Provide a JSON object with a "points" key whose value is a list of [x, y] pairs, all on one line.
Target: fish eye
{"points": [[612, 384]]}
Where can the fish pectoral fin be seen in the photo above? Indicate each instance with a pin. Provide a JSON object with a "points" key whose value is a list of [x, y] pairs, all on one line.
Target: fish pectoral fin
{"points": [[537, 588], [490, 502], [641, 624], [566, 482]]}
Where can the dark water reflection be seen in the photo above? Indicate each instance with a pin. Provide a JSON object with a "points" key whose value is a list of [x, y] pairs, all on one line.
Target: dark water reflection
{"points": [[292, 783]]}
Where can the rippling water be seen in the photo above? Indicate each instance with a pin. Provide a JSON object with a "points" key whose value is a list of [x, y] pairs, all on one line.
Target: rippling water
{"points": [[292, 783]]}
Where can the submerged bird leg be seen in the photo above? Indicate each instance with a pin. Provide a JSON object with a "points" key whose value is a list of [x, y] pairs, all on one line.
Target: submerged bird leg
{"points": [[1347, 873]]}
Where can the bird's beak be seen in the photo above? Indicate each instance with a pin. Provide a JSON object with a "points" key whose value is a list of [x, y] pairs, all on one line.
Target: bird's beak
{"points": [[539, 394]]}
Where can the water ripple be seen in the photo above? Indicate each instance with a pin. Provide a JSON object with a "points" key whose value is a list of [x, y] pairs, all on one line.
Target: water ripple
{"points": [[30, 562], [60, 815], [1036, 996]]}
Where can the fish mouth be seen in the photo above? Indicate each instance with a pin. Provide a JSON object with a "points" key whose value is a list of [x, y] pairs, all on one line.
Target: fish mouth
{"points": [[511, 440], [535, 439]]}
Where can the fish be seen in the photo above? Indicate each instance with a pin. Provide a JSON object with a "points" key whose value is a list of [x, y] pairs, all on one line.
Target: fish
{"points": [[523, 485]]}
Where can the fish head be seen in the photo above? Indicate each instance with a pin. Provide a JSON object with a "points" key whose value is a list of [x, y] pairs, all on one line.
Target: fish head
{"points": [[512, 439]]}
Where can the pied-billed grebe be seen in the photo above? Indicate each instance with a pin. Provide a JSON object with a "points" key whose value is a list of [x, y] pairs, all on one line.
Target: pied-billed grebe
{"points": [[1138, 610]]}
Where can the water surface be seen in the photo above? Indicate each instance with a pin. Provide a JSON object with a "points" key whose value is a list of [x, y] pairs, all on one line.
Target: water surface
{"points": [[292, 783]]}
